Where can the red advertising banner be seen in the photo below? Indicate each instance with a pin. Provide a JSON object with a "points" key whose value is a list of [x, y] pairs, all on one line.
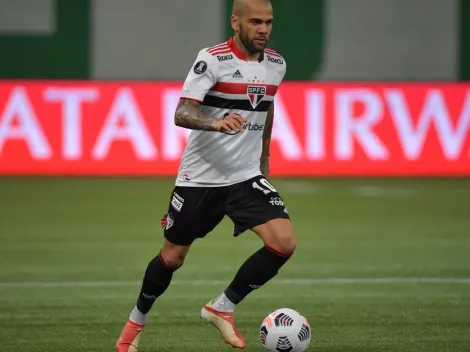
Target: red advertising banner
{"points": [[126, 128]]}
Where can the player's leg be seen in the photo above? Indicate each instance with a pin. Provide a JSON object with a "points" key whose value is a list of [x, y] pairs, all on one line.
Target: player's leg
{"points": [[256, 205], [191, 215], [156, 280], [279, 245]]}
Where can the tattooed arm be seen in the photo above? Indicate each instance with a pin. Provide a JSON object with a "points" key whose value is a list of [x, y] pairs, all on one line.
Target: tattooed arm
{"points": [[189, 115], [267, 141]]}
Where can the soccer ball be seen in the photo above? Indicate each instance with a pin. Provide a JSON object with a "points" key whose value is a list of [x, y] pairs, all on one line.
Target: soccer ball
{"points": [[285, 330]]}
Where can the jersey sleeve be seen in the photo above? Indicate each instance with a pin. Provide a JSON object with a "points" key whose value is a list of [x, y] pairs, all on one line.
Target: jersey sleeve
{"points": [[283, 71], [201, 77]]}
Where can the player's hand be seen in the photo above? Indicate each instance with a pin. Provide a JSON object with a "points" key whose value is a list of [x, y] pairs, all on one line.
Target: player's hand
{"points": [[231, 123]]}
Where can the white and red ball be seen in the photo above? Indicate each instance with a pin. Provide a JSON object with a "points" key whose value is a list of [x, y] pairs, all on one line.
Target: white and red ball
{"points": [[285, 330]]}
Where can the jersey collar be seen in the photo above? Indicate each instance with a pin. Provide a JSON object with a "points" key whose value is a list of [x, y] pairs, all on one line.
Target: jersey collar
{"points": [[238, 53]]}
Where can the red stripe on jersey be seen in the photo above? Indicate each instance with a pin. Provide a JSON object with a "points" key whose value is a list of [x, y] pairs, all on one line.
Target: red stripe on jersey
{"points": [[216, 46], [218, 49], [242, 88], [271, 52], [224, 51], [222, 47]]}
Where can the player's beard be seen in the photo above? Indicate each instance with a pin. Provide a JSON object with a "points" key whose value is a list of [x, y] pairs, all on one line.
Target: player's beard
{"points": [[249, 43]]}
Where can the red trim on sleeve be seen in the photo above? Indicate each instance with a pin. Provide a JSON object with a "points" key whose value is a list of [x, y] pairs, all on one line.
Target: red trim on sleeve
{"points": [[272, 52], [216, 47], [221, 51], [198, 100]]}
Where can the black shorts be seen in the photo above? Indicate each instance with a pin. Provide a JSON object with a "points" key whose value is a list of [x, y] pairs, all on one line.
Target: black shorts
{"points": [[193, 212]]}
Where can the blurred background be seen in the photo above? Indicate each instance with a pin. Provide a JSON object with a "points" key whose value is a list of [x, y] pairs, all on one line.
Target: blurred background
{"points": [[151, 40], [370, 151]]}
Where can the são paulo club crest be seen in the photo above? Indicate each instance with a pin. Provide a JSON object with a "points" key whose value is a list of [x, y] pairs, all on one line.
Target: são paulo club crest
{"points": [[255, 94]]}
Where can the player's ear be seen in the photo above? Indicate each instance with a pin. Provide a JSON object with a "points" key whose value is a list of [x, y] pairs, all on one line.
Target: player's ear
{"points": [[235, 21]]}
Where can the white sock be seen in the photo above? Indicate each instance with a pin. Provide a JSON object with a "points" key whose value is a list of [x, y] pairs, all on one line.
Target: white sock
{"points": [[138, 317], [223, 304]]}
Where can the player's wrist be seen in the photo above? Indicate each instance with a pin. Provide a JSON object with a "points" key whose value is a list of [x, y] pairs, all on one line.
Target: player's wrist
{"points": [[215, 125]]}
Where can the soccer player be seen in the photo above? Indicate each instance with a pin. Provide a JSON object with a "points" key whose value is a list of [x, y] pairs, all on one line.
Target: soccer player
{"points": [[228, 101]]}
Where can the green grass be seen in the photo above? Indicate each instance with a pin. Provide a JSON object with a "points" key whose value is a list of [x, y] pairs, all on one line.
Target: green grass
{"points": [[66, 230]]}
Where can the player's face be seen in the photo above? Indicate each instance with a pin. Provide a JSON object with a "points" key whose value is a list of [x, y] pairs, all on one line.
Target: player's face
{"points": [[255, 28]]}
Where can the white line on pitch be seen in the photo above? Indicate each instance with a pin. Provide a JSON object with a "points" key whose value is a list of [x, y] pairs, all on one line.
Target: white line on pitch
{"points": [[322, 281]]}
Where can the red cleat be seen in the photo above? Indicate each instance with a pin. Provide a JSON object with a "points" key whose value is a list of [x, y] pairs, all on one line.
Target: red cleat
{"points": [[224, 322], [129, 339]]}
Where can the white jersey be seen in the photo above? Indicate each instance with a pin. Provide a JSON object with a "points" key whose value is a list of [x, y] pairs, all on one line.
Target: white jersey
{"points": [[225, 82]]}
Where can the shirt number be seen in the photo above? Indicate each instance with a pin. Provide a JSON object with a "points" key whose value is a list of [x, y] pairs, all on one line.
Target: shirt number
{"points": [[264, 186]]}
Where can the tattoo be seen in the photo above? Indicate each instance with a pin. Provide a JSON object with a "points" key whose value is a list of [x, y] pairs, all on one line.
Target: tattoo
{"points": [[189, 115], [264, 167], [264, 162]]}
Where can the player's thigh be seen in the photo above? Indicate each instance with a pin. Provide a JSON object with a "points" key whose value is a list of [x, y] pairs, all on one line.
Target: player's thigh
{"points": [[193, 212], [258, 206]]}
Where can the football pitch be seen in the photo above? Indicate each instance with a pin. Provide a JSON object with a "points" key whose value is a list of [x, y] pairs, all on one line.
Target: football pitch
{"points": [[382, 265]]}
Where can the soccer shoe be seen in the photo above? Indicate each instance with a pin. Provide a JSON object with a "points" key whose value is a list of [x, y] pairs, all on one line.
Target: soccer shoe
{"points": [[129, 339], [224, 322]]}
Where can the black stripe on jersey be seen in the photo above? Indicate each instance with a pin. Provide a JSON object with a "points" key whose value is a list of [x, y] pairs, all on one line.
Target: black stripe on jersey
{"points": [[233, 104]]}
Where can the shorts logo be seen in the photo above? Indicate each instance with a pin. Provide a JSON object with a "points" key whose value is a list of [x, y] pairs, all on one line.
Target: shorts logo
{"points": [[169, 221], [177, 201], [255, 94], [225, 57], [276, 201], [200, 67]]}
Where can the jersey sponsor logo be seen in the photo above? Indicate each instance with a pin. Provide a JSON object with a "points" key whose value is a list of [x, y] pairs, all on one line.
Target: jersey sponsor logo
{"points": [[200, 67], [177, 201], [186, 177], [255, 94], [224, 57], [255, 127], [275, 60]]}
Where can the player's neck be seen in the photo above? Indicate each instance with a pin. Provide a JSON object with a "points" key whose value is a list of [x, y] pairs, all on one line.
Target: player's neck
{"points": [[249, 56]]}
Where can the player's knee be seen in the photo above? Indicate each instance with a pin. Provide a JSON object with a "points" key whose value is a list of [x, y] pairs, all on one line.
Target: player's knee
{"points": [[288, 245], [173, 259], [283, 244]]}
